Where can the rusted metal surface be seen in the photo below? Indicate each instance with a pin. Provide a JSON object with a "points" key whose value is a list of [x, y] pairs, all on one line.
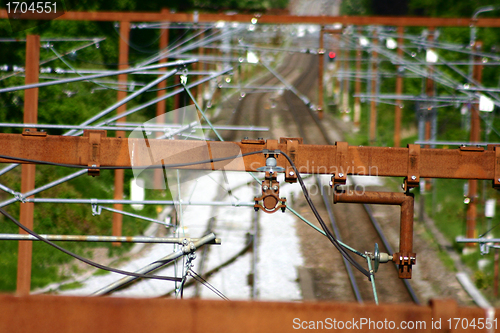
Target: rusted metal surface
{"points": [[475, 136], [122, 93], [28, 171], [263, 18], [271, 201], [292, 145], [319, 159], [405, 258], [94, 150], [321, 62], [445, 309], [357, 86], [104, 314], [373, 102], [399, 90]]}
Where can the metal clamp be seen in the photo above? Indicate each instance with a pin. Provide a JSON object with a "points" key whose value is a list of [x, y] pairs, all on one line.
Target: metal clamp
{"points": [[96, 209], [405, 261], [496, 179], [413, 172], [33, 132], [292, 147], [271, 201], [94, 158], [340, 176]]}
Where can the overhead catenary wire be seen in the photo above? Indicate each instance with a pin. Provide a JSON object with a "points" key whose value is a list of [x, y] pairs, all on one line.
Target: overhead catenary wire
{"points": [[155, 166], [85, 260], [327, 231], [208, 285]]}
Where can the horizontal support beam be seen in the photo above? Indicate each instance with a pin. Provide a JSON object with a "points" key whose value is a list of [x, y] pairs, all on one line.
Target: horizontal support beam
{"points": [[48, 313], [263, 19], [91, 238], [461, 163]]}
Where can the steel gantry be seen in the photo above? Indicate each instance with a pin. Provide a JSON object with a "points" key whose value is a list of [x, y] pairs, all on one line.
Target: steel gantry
{"points": [[95, 151]]}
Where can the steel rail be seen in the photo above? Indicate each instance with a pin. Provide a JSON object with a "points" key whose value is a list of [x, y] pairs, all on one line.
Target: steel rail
{"points": [[366, 207], [387, 245], [336, 231]]}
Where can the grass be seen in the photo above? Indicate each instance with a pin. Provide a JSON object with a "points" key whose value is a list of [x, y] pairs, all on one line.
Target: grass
{"points": [[71, 285], [65, 219]]}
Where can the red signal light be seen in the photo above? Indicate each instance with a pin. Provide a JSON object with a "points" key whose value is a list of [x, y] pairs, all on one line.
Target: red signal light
{"points": [[331, 55]]}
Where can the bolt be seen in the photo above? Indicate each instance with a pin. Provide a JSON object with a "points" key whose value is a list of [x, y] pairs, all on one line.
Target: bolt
{"points": [[265, 188], [27, 130], [245, 138], [260, 138], [341, 175], [275, 187], [291, 174], [331, 184], [413, 177], [403, 186]]}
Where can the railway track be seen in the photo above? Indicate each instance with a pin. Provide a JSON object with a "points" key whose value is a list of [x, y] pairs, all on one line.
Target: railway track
{"points": [[291, 117], [355, 224], [351, 223]]}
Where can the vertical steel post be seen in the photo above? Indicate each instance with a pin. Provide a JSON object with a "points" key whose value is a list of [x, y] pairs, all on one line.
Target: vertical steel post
{"points": [[430, 92], [345, 90], [357, 87], [399, 91], [161, 105], [321, 62], [28, 170], [475, 136], [119, 173], [373, 104]]}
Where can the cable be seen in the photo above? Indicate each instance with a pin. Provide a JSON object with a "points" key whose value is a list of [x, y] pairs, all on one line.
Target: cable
{"points": [[182, 287], [208, 285], [85, 260], [329, 234], [481, 236], [156, 166]]}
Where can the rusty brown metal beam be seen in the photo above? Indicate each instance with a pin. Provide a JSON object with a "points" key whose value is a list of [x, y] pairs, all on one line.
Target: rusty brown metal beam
{"points": [[475, 136], [122, 93], [262, 18], [373, 103], [28, 171], [321, 63], [47, 313], [405, 258], [399, 90], [357, 87], [461, 163]]}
